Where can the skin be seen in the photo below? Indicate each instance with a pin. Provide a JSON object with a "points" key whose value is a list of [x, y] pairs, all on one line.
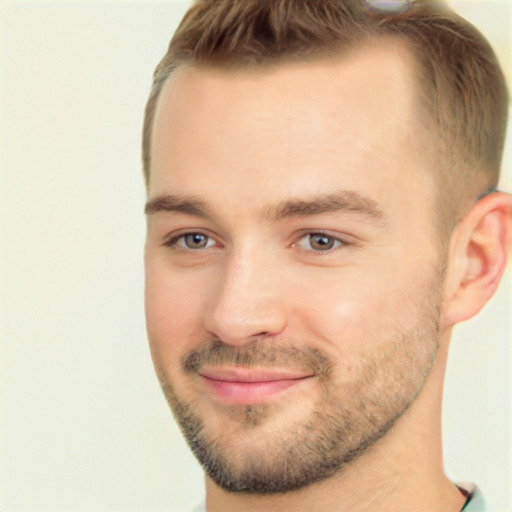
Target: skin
{"points": [[242, 146]]}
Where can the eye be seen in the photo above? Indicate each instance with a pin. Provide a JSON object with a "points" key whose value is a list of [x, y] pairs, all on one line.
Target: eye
{"points": [[192, 241], [319, 242]]}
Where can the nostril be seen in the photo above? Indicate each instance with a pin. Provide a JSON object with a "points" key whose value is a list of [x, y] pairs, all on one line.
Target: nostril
{"points": [[260, 336], [242, 327]]}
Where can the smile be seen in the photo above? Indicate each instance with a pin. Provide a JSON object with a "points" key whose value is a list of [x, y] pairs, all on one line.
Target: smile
{"points": [[249, 386]]}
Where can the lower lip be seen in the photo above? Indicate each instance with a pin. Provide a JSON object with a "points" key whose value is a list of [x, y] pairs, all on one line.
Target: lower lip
{"points": [[249, 392]]}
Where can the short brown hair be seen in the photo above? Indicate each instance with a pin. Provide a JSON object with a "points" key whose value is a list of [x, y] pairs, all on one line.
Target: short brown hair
{"points": [[465, 92]]}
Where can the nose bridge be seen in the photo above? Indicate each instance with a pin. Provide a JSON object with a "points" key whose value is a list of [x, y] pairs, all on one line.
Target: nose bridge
{"points": [[247, 303]]}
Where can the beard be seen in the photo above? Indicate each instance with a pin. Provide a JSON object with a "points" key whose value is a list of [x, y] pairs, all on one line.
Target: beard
{"points": [[253, 449]]}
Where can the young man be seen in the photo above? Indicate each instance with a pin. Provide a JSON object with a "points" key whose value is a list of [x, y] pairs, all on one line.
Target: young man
{"points": [[321, 212]]}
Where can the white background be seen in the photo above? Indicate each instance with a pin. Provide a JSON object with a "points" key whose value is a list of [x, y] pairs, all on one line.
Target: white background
{"points": [[83, 425]]}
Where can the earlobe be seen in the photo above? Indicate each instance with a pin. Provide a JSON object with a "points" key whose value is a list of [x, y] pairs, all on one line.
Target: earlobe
{"points": [[478, 254]]}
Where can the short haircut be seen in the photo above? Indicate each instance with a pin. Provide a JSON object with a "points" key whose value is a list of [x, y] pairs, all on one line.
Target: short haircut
{"points": [[461, 87]]}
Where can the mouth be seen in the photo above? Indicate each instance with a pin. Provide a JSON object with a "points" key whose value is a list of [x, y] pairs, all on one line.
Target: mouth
{"points": [[250, 385]]}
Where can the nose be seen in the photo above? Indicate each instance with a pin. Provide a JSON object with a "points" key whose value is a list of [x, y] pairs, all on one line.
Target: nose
{"points": [[248, 302]]}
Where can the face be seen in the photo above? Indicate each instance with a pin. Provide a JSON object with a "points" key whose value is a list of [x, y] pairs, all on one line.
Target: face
{"points": [[292, 271]]}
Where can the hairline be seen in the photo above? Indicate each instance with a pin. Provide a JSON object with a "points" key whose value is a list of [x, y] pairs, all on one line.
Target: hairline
{"points": [[427, 132], [423, 114]]}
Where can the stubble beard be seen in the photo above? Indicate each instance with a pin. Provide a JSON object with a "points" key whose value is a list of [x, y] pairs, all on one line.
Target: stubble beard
{"points": [[347, 419]]}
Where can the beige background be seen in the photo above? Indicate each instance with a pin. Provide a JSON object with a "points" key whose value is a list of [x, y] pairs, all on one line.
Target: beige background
{"points": [[83, 426]]}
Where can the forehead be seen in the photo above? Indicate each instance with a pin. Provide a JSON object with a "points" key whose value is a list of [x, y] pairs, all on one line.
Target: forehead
{"points": [[339, 122]]}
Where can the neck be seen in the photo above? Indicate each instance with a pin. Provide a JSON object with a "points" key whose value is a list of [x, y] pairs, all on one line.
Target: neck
{"points": [[403, 471]]}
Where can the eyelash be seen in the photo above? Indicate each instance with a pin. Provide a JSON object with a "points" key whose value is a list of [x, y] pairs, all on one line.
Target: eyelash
{"points": [[175, 241], [337, 242], [180, 242]]}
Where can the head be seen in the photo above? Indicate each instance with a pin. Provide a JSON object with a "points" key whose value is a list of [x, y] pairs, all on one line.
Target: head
{"points": [[461, 93], [303, 161]]}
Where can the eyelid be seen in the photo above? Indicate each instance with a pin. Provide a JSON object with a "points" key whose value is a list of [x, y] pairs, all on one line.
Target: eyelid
{"points": [[341, 241], [172, 239]]}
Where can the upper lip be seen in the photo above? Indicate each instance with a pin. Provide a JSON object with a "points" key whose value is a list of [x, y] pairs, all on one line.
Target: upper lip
{"points": [[238, 374]]}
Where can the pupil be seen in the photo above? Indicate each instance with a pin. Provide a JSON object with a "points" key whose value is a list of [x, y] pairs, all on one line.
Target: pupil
{"points": [[321, 242], [196, 240]]}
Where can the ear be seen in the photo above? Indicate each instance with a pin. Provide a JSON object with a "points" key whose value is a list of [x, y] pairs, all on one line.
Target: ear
{"points": [[479, 248]]}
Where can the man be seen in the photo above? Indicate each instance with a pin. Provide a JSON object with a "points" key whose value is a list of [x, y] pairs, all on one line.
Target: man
{"points": [[322, 210]]}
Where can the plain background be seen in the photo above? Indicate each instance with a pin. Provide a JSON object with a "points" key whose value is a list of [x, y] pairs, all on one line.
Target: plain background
{"points": [[83, 424]]}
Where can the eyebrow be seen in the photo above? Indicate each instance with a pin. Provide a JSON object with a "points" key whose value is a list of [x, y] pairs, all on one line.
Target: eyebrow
{"points": [[179, 204], [345, 200]]}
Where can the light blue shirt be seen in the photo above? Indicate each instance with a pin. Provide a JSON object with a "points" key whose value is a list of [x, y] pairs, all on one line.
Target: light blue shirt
{"points": [[476, 502]]}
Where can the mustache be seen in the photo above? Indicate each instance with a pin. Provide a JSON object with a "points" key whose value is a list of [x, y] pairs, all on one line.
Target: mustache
{"points": [[258, 354]]}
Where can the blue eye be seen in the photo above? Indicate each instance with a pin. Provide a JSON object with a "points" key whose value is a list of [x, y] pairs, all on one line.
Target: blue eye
{"points": [[192, 241], [319, 242]]}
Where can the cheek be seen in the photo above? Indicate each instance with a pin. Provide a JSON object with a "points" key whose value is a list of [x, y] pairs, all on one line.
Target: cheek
{"points": [[352, 310], [173, 310]]}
